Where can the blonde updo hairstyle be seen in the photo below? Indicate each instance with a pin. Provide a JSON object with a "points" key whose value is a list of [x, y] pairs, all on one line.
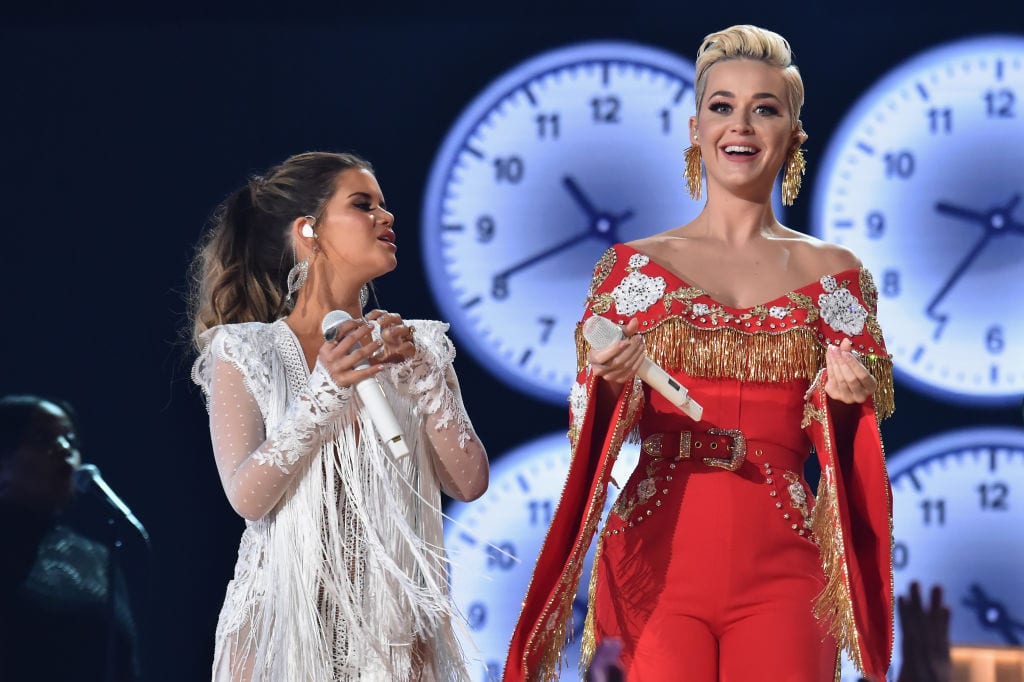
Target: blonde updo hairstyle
{"points": [[744, 41]]}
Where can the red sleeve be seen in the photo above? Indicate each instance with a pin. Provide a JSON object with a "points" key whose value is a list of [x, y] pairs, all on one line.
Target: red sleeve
{"points": [[537, 641], [853, 514]]}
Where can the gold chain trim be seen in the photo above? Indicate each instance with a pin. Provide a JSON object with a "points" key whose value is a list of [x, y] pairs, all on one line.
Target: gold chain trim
{"points": [[549, 638]]}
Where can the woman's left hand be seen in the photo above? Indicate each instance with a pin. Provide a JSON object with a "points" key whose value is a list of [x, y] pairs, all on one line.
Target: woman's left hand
{"points": [[848, 380], [395, 335]]}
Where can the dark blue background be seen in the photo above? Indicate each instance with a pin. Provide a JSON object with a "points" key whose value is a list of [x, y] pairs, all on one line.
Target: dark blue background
{"points": [[122, 127]]}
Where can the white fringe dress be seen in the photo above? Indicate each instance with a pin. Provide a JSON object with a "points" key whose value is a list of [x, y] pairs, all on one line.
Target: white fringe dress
{"points": [[341, 573]]}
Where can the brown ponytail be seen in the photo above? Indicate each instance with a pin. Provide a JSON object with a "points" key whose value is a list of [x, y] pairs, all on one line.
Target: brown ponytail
{"points": [[240, 270]]}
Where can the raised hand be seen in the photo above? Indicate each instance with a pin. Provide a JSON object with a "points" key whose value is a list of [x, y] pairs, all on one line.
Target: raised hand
{"points": [[397, 337], [926, 651], [619, 362], [340, 356], [848, 380]]}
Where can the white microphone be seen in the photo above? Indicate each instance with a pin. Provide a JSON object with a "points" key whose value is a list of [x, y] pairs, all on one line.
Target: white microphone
{"points": [[87, 479], [371, 393], [601, 332]]}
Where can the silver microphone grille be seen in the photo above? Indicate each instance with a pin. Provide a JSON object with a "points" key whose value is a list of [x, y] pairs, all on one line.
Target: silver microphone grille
{"points": [[333, 319], [601, 332]]}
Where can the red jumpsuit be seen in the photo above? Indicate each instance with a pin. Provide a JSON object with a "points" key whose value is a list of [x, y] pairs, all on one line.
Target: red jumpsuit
{"points": [[711, 566]]}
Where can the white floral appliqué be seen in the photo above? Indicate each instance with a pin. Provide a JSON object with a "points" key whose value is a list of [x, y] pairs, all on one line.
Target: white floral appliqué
{"points": [[578, 405], [778, 312], [840, 309], [701, 309], [637, 291]]}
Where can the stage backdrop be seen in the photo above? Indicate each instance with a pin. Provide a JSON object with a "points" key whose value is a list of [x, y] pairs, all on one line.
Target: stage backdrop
{"points": [[512, 145]]}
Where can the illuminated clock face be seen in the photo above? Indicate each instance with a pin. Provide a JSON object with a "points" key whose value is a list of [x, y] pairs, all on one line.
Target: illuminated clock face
{"points": [[923, 181], [561, 157], [494, 543], [958, 511]]}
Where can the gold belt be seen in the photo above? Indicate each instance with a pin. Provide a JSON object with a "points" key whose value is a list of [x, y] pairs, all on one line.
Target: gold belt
{"points": [[680, 445]]}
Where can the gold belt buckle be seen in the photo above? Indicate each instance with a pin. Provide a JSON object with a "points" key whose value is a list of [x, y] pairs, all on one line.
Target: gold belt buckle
{"points": [[737, 450]]}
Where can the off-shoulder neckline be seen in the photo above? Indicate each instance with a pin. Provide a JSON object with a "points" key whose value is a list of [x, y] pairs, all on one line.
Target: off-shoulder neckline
{"points": [[839, 276]]}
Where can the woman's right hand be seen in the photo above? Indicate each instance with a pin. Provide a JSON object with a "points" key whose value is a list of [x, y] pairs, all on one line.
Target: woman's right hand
{"points": [[619, 362], [340, 360]]}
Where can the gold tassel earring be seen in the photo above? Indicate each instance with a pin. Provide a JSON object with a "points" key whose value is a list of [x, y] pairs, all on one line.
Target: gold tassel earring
{"points": [[796, 165], [692, 172]]}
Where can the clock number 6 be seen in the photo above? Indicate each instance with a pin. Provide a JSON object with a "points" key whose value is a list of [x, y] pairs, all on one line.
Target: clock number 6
{"points": [[994, 341]]}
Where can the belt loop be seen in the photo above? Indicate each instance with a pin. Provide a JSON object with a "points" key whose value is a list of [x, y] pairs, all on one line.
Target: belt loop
{"points": [[685, 439]]}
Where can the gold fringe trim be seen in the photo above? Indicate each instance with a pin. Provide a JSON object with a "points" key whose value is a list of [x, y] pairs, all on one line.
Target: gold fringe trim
{"points": [[760, 356], [834, 605], [588, 640], [550, 636]]}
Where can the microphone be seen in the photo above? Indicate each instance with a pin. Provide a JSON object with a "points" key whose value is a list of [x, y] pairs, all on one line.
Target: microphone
{"points": [[601, 332], [87, 479], [371, 393]]}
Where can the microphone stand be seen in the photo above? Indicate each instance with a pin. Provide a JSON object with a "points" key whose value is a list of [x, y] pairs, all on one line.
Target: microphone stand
{"points": [[117, 516]]}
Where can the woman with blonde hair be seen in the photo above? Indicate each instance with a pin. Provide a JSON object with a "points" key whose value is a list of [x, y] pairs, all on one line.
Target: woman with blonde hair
{"points": [[341, 573], [716, 562]]}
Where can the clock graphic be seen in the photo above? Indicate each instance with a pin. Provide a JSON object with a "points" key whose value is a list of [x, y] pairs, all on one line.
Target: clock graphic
{"points": [[958, 510], [923, 181], [556, 160], [493, 544]]}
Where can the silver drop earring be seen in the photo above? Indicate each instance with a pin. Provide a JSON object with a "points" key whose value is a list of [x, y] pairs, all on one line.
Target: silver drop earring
{"points": [[364, 296], [296, 278]]}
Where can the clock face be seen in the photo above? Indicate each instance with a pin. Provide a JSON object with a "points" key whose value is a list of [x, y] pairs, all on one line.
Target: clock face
{"points": [[493, 545], [923, 181], [958, 511], [561, 157]]}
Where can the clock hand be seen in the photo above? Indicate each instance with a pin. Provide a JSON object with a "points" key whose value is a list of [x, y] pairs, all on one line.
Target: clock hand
{"points": [[504, 274], [580, 198], [994, 222], [601, 222], [952, 279], [992, 614]]}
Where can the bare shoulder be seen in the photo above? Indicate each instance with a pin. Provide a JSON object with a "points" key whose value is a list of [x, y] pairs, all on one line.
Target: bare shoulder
{"points": [[823, 257]]}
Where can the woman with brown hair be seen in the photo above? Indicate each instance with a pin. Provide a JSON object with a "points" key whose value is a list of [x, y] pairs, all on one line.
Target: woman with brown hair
{"points": [[341, 572]]}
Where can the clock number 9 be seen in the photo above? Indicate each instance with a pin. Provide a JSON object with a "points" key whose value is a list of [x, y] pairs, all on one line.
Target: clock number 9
{"points": [[484, 229], [994, 341], [999, 103], [508, 170], [993, 496], [876, 225], [504, 559], [606, 109], [899, 164]]}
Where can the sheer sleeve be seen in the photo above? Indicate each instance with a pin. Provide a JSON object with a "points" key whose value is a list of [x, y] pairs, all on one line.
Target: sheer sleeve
{"points": [[256, 464], [429, 379]]}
